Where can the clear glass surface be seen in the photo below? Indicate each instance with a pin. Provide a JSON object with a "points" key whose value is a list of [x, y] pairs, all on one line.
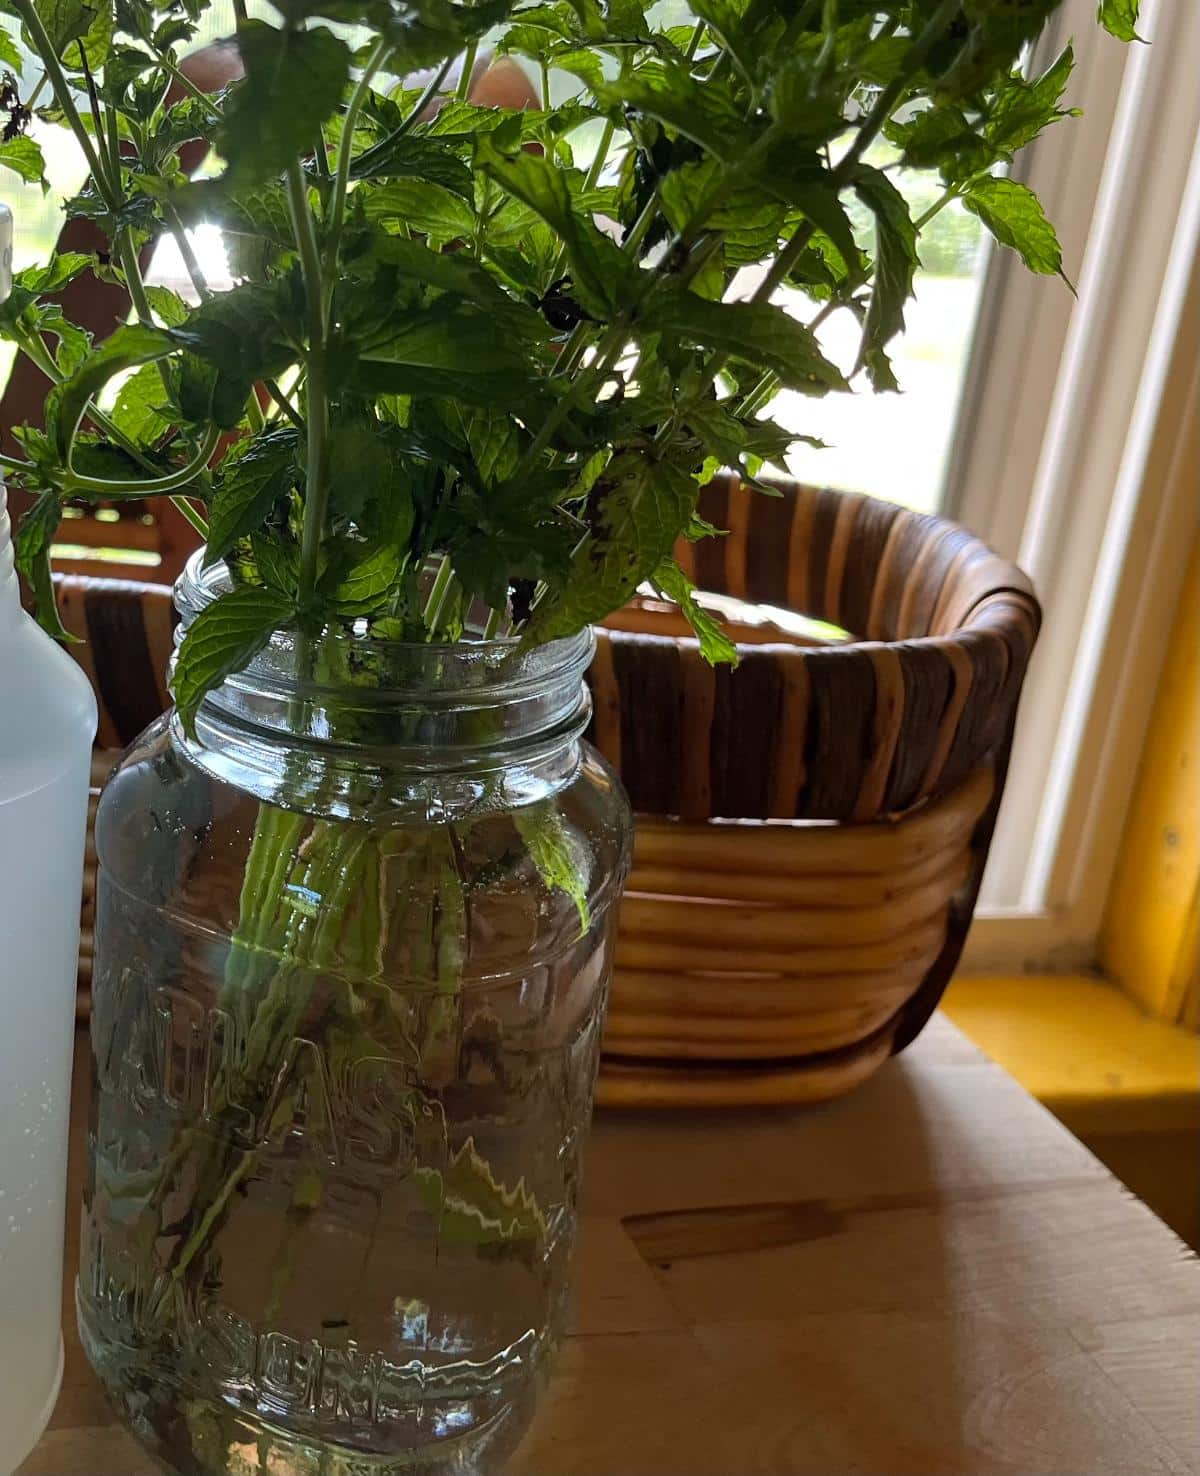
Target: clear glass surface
{"points": [[352, 960]]}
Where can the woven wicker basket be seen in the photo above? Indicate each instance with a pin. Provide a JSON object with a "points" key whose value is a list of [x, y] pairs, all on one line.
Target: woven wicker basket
{"points": [[813, 824], [798, 917]]}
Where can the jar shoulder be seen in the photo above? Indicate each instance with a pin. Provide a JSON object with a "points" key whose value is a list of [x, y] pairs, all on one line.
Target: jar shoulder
{"points": [[187, 845]]}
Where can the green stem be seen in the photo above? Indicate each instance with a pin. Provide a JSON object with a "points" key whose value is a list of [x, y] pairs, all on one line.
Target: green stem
{"points": [[759, 395], [214, 1211], [576, 344], [377, 150], [432, 91], [190, 261], [289, 410], [607, 353], [885, 103], [254, 411], [62, 92], [463, 91], [829, 21], [188, 85], [438, 590], [316, 497], [109, 157], [341, 179], [127, 254], [321, 155], [593, 175], [155, 486], [114, 144], [493, 624], [182, 505], [35, 351], [15, 464], [602, 148], [938, 205]]}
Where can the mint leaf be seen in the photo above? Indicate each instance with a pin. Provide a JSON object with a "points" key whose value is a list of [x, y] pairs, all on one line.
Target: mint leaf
{"points": [[427, 31], [728, 19], [62, 268], [31, 549], [364, 586], [1024, 108], [293, 84], [895, 263], [1119, 18], [141, 411], [812, 193], [67, 21], [260, 210], [221, 640], [448, 272], [715, 646], [705, 112], [449, 335], [583, 64], [96, 40], [131, 345], [252, 479], [639, 508], [472, 1208], [241, 336], [10, 56], [1012, 213], [24, 157], [560, 857], [494, 444], [168, 305], [419, 205], [412, 157], [759, 332], [627, 19], [601, 274], [278, 564]]}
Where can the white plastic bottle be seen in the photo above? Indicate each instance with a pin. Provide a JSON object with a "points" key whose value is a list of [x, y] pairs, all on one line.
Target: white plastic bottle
{"points": [[47, 724]]}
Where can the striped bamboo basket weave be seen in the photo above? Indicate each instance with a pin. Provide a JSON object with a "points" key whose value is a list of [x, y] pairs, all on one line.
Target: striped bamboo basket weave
{"points": [[813, 824], [125, 630]]}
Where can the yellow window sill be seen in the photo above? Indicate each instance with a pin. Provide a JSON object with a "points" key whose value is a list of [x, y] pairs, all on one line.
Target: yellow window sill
{"points": [[1085, 1050]]}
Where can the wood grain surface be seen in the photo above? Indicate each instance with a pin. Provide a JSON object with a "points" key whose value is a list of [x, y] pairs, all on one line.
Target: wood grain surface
{"points": [[929, 1276]]}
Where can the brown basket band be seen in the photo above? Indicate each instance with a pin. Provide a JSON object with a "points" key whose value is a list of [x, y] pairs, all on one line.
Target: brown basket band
{"points": [[852, 731]]}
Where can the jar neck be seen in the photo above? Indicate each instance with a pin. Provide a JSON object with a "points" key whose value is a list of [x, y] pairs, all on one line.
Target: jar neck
{"points": [[343, 725]]}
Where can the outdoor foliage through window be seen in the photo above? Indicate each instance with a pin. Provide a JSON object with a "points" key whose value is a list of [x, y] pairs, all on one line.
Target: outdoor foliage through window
{"points": [[502, 349]]}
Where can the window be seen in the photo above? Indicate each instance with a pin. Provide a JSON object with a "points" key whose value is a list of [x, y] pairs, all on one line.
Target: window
{"points": [[1078, 453], [888, 445], [1064, 431]]}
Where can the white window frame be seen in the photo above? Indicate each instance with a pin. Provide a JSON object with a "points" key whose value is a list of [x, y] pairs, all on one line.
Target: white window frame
{"points": [[1078, 453]]}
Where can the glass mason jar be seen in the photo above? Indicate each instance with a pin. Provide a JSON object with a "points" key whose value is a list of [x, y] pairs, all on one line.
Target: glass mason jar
{"points": [[353, 945]]}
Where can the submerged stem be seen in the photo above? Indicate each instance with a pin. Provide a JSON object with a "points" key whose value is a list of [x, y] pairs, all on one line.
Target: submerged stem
{"points": [[316, 499]]}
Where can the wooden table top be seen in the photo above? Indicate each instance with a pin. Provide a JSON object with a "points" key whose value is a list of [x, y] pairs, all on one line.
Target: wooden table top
{"points": [[929, 1276]]}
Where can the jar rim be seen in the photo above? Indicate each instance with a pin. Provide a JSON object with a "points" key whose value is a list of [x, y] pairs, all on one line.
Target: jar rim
{"points": [[445, 671]]}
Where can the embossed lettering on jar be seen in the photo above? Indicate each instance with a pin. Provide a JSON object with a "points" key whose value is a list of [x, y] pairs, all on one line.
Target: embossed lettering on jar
{"points": [[353, 946]]}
